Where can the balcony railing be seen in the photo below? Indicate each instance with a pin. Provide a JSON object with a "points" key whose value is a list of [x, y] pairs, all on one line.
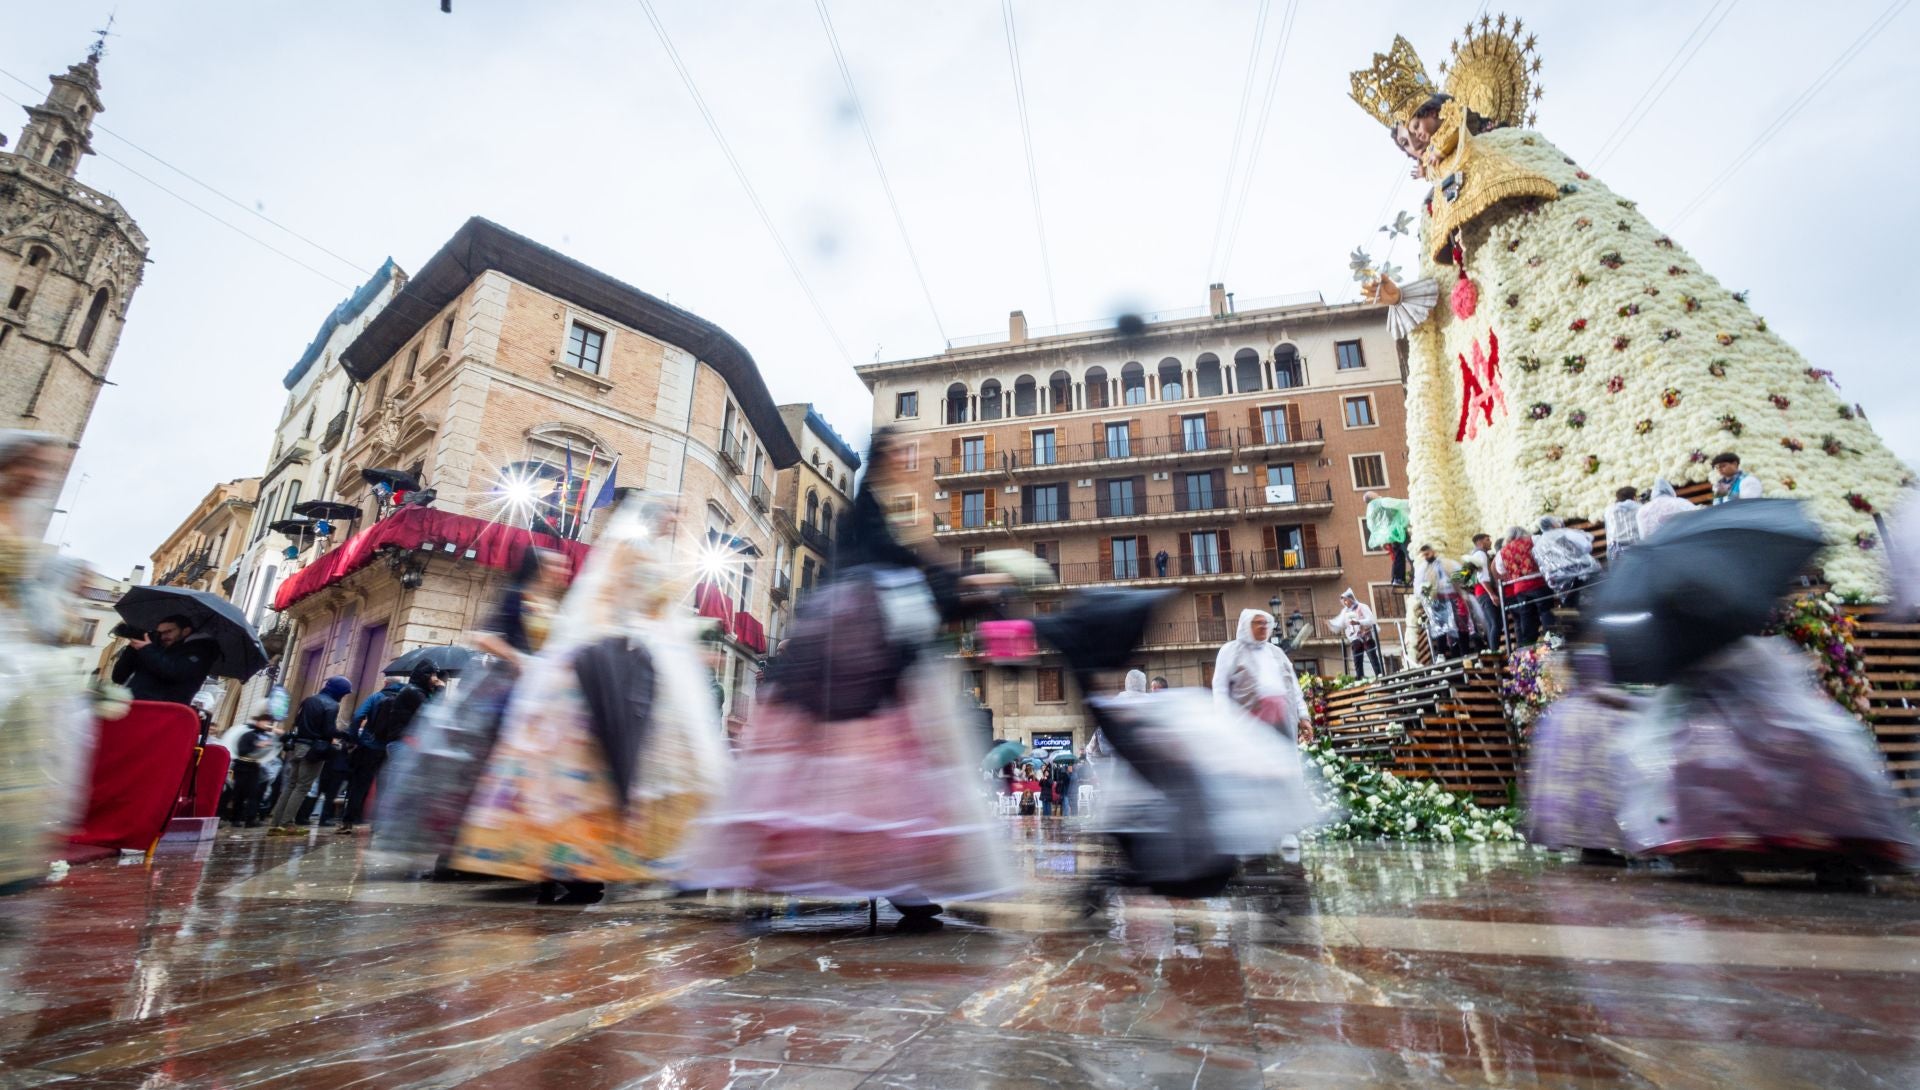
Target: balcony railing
{"points": [[733, 451], [1178, 506], [782, 586], [1133, 450], [1208, 632], [1200, 567], [762, 495], [1280, 562], [815, 538]]}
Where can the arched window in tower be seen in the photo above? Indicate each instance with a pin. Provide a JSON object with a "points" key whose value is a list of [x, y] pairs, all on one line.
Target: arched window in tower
{"points": [[1286, 367], [1246, 371], [1170, 385], [62, 156], [990, 399], [957, 403], [1133, 384], [813, 509], [1060, 392], [1025, 398], [91, 325], [826, 520], [38, 256], [1206, 376], [1096, 380]]}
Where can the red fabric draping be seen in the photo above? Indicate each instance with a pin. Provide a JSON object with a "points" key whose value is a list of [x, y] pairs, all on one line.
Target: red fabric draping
{"points": [[495, 545], [208, 782], [710, 601], [746, 629], [139, 761]]}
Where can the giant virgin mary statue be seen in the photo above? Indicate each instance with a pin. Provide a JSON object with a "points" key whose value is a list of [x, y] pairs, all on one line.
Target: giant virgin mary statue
{"points": [[1574, 346]]}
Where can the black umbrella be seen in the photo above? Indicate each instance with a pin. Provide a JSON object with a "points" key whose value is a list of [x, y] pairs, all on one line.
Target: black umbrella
{"points": [[292, 527], [1701, 583], [327, 509], [397, 479], [1099, 629], [241, 655], [444, 658]]}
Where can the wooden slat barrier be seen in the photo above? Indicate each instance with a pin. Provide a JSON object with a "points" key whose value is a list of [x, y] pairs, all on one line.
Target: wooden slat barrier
{"points": [[1890, 643], [1442, 723]]}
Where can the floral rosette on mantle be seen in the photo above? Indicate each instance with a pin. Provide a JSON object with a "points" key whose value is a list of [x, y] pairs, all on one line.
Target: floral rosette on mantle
{"points": [[1494, 438], [1817, 623]]}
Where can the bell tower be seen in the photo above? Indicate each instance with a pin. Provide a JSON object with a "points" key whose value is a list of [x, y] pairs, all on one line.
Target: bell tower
{"points": [[60, 130], [70, 260]]}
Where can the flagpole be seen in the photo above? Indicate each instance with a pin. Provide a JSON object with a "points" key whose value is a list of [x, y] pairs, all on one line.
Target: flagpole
{"points": [[580, 507]]}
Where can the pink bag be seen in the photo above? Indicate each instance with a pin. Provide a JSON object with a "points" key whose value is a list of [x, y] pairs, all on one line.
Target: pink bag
{"points": [[1009, 641]]}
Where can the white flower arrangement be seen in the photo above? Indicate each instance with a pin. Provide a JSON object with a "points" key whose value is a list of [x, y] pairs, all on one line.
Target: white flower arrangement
{"points": [[1374, 804], [1666, 367]]}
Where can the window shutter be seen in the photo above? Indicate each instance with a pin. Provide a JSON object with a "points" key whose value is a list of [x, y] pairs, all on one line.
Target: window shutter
{"points": [[1214, 438], [1186, 553], [955, 500], [1270, 548], [1310, 545], [1140, 495], [990, 497], [1226, 551], [1146, 552], [1293, 423], [1026, 503], [1099, 438], [956, 450], [1219, 487], [1253, 421], [1134, 430], [1106, 558], [1102, 498], [989, 447], [1180, 491]]}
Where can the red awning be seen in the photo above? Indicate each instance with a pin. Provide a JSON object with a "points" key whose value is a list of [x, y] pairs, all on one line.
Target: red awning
{"points": [[710, 601], [746, 629], [494, 545]]}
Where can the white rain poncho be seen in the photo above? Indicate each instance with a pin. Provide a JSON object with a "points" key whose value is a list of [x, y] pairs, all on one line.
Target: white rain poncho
{"points": [[1256, 676], [1565, 556], [1623, 527], [1662, 505]]}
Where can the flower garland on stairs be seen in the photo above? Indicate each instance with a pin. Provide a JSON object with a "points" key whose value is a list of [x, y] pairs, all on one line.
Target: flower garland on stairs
{"points": [[1817, 623], [1375, 804]]}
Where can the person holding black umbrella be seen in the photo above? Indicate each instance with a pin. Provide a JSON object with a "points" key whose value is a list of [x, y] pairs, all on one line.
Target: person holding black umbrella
{"points": [[169, 664]]}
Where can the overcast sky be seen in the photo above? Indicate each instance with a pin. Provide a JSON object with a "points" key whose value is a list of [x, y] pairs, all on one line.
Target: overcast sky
{"points": [[375, 127]]}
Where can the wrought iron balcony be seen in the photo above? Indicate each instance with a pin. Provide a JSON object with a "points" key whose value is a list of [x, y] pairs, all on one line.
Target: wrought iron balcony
{"points": [[762, 495]]}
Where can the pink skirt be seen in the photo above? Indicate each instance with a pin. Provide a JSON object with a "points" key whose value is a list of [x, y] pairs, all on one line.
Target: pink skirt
{"points": [[884, 806]]}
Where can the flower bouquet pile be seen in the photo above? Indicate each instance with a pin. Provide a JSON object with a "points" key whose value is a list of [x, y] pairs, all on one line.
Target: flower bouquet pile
{"points": [[1374, 804], [1817, 623], [1531, 682]]}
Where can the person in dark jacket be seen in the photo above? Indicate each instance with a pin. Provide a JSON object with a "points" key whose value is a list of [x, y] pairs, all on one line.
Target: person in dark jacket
{"points": [[385, 724], [168, 666], [315, 739]]}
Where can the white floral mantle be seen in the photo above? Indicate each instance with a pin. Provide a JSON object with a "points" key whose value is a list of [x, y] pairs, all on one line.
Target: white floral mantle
{"points": [[1619, 360]]}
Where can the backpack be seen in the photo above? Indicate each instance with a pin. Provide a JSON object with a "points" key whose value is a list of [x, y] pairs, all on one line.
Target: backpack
{"points": [[389, 719]]}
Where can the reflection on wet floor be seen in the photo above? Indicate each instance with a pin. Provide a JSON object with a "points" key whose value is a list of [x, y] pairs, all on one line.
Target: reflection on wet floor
{"points": [[321, 963]]}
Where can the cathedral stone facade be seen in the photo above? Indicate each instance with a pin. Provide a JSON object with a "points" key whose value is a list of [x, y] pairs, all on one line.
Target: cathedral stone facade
{"points": [[70, 260]]}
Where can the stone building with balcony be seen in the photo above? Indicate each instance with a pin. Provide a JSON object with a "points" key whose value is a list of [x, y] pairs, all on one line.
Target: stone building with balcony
{"points": [[809, 498], [502, 370], [70, 260], [1221, 453], [304, 462]]}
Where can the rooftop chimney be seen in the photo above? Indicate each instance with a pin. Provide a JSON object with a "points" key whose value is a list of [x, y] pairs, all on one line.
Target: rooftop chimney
{"points": [[1217, 300], [1017, 327], [138, 576]]}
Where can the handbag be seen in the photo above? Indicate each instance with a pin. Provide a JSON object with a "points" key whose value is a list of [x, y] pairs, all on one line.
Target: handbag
{"points": [[1008, 642]]}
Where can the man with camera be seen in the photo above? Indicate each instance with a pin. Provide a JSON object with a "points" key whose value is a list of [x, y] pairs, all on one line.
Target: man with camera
{"points": [[169, 665]]}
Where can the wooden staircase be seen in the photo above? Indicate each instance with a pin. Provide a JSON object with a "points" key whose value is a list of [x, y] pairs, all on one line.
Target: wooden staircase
{"points": [[1441, 722], [1891, 647]]}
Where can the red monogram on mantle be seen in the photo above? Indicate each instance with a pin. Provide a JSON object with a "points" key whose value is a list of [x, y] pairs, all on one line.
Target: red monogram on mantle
{"points": [[1480, 388]]}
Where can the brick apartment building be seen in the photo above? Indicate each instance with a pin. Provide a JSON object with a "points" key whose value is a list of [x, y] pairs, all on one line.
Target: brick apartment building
{"points": [[1221, 453]]}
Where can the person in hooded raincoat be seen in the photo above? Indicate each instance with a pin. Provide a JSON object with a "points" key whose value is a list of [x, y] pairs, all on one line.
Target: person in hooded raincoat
{"points": [[1662, 505], [1254, 675]]}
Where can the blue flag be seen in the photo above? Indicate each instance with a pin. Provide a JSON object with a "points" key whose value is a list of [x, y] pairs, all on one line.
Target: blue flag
{"points": [[604, 498]]}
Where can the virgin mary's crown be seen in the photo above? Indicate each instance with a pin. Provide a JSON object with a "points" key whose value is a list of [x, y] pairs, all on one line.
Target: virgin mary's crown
{"points": [[1395, 86]]}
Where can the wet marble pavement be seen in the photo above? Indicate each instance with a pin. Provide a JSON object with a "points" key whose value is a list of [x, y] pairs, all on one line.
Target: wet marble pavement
{"points": [[320, 963]]}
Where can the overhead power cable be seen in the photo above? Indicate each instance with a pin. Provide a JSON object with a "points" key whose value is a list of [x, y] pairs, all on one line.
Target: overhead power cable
{"points": [[873, 148], [255, 239], [1251, 174], [1657, 89], [740, 174], [1795, 107], [1239, 130], [1026, 140], [244, 207]]}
